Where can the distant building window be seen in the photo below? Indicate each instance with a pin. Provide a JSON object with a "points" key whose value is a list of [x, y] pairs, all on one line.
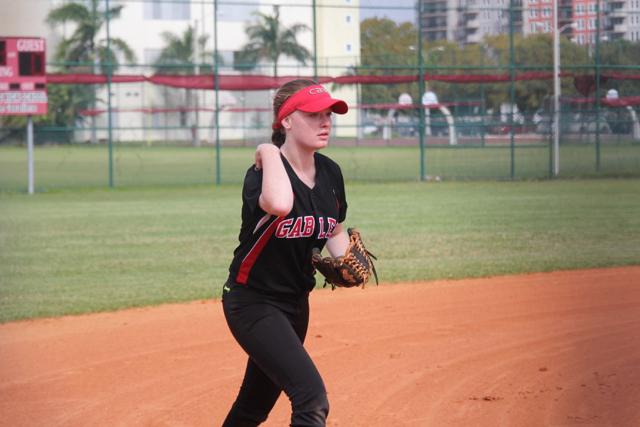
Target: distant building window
{"points": [[3, 52], [348, 47], [164, 10], [348, 19]]}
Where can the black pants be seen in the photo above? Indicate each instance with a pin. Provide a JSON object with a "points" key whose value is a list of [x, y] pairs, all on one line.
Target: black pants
{"points": [[272, 332]]}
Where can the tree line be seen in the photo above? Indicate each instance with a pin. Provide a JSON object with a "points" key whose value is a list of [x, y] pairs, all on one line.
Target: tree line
{"points": [[390, 48]]}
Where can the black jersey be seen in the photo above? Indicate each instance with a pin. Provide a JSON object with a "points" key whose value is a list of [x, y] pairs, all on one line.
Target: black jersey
{"points": [[274, 254]]}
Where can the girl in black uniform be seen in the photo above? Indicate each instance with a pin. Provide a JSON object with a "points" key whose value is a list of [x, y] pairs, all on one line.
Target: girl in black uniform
{"points": [[293, 200]]}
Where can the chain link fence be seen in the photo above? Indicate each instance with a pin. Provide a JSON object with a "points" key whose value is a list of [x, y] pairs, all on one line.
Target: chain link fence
{"points": [[173, 92]]}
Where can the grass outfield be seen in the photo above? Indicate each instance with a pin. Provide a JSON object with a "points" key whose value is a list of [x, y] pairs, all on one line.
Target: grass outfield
{"points": [[76, 251], [72, 166]]}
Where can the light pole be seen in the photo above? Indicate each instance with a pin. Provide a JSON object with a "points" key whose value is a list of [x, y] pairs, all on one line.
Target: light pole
{"points": [[556, 87]]}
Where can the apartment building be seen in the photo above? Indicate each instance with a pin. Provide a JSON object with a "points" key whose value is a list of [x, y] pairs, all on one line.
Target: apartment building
{"points": [[468, 21], [624, 20], [612, 19], [537, 16], [438, 19]]}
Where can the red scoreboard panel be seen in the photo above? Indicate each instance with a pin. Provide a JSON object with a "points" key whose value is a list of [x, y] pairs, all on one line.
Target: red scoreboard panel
{"points": [[23, 78]]}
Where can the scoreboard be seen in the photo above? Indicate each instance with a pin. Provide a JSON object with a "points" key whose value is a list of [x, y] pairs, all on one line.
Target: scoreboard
{"points": [[23, 79]]}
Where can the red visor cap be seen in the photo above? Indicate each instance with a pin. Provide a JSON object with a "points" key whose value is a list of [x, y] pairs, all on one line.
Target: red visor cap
{"points": [[311, 99]]}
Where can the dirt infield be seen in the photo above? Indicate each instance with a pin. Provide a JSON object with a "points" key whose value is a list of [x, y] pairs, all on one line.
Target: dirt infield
{"points": [[536, 350]]}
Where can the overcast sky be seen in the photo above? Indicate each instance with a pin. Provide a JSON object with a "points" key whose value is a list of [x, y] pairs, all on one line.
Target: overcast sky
{"points": [[398, 10]]}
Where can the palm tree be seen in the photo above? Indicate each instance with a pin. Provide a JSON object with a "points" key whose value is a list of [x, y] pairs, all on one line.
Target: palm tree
{"points": [[82, 49], [269, 39], [181, 55]]}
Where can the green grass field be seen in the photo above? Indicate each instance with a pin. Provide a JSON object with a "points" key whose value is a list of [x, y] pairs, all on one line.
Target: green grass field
{"points": [[76, 251], [73, 166]]}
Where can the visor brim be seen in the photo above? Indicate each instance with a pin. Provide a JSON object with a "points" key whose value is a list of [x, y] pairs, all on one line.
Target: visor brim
{"points": [[338, 106]]}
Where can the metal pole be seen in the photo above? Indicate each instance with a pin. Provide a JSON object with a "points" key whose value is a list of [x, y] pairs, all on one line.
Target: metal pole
{"points": [[512, 89], [196, 59], [597, 94], [30, 152], [109, 112], [556, 91], [315, 43], [96, 70], [421, 89], [483, 107], [216, 81]]}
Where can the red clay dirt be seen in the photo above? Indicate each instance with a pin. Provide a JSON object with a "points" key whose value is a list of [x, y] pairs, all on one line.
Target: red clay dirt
{"points": [[548, 349]]}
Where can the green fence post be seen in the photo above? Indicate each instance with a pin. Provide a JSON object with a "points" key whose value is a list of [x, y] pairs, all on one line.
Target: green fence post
{"points": [[512, 89], [421, 111], [109, 118], [597, 93], [483, 107], [216, 84]]}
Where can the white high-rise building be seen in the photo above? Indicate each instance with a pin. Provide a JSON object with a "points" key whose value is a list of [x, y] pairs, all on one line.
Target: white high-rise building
{"points": [[468, 21], [624, 20]]}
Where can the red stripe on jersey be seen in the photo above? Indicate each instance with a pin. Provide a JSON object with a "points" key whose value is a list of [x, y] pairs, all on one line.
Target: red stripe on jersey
{"points": [[254, 253]]}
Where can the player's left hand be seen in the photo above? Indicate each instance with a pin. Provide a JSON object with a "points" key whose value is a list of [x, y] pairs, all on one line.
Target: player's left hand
{"points": [[352, 269]]}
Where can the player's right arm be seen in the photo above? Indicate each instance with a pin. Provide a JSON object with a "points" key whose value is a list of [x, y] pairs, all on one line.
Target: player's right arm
{"points": [[276, 197]]}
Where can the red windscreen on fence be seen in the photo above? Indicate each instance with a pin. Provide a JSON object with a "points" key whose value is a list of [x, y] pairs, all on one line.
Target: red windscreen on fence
{"points": [[619, 102], [261, 82]]}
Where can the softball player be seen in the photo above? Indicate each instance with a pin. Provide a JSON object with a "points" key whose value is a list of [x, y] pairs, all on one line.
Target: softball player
{"points": [[293, 200]]}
